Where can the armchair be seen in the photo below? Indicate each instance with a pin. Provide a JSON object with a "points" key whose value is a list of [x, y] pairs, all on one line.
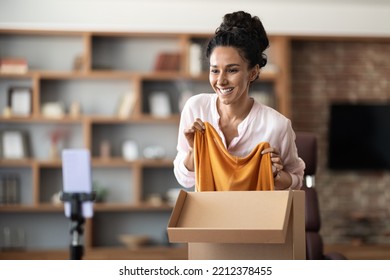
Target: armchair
{"points": [[307, 150]]}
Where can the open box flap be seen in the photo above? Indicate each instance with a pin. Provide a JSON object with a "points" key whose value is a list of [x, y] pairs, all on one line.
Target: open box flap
{"points": [[231, 217]]}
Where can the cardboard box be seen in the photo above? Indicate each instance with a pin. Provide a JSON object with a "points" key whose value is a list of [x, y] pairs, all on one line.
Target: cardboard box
{"points": [[240, 224]]}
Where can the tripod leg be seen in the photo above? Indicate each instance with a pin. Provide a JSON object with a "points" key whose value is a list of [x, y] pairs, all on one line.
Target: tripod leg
{"points": [[76, 248], [76, 252]]}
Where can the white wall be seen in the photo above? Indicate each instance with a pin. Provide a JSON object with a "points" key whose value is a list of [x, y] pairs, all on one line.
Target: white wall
{"points": [[297, 17]]}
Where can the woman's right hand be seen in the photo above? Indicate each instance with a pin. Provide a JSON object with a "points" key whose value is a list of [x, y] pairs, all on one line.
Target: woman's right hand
{"points": [[189, 133]]}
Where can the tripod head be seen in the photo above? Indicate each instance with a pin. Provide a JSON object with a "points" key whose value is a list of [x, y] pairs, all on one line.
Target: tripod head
{"points": [[77, 219]]}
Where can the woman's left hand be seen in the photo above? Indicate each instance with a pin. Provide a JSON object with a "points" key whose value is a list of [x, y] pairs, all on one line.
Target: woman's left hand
{"points": [[276, 161]]}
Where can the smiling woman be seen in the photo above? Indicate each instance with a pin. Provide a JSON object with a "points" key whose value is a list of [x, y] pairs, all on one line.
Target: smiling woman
{"points": [[236, 56]]}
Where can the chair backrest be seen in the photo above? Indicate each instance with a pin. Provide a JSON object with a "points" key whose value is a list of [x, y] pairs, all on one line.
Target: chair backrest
{"points": [[307, 150]]}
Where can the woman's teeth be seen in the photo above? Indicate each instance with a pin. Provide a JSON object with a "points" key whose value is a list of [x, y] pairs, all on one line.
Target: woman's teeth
{"points": [[225, 90]]}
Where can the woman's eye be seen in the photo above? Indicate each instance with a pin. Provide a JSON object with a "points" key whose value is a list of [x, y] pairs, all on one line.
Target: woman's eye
{"points": [[214, 71], [232, 70]]}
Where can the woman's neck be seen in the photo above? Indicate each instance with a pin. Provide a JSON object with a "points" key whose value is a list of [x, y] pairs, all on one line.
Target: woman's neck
{"points": [[235, 113], [231, 116]]}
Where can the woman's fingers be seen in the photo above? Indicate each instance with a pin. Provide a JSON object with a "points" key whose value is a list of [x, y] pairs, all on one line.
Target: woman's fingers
{"points": [[189, 133], [275, 157], [271, 150], [198, 125]]}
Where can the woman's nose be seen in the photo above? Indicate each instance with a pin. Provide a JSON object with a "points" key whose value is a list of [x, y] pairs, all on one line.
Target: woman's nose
{"points": [[222, 79]]}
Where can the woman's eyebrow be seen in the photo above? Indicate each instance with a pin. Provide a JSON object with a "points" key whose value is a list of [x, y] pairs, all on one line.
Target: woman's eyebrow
{"points": [[229, 65]]}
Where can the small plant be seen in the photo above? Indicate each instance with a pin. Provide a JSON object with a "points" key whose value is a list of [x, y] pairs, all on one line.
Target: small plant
{"points": [[100, 191]]}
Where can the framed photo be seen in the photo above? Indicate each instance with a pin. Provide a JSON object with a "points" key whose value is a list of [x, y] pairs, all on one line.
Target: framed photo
{"points": [[20, 101], [13, 144], [160, 105]]}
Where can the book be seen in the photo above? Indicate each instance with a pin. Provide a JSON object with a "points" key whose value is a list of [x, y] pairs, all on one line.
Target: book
{"points": [[126, 105], [195, 63], [2, 191], [167, 62], [9, 189], [13, 65]]}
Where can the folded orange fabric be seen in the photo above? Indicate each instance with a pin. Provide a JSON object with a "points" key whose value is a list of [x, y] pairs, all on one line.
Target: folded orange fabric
{"points": [[217, 170]]}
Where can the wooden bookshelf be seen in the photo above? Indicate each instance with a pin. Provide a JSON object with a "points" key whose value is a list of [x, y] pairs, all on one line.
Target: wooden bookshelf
{"points": [[111, 64]]}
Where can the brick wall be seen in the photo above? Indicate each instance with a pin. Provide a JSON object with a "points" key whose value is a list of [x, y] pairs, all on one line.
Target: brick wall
{"points": [[324, 71]]}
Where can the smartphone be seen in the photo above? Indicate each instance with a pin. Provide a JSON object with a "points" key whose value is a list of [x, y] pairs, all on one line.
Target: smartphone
{"points": [[76, 174]]}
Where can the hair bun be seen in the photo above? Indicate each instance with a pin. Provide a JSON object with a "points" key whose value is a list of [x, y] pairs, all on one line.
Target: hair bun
{"points": [[244, 23], [240, 20], [244, 32]]}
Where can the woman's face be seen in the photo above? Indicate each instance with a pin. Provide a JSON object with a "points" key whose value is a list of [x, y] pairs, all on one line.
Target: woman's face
{"points": [[229, 75]]}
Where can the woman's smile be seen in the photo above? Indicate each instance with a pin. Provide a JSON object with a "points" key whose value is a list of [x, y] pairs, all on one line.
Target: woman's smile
{"points": [[226, 91]]}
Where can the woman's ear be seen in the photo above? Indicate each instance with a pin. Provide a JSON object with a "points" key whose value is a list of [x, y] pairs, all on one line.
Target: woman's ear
{"points": [[255, 73]]}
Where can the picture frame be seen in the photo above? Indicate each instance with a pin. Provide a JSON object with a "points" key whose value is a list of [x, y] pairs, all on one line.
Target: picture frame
{"points": [[130, 150], [160, 104], [13, 144], [20, 101]]}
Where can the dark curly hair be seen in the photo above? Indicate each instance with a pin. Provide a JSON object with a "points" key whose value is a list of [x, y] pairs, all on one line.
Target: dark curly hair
{"points": [[245, 33]]}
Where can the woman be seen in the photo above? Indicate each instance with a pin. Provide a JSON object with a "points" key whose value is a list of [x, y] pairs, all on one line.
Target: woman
{"points": [[236, 55]]}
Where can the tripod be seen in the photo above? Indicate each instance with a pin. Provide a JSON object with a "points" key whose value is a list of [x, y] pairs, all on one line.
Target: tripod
{"points": [[77, 221]]}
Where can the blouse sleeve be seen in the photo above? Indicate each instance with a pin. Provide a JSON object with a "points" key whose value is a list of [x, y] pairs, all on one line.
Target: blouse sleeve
{"points": [[293, 164], [185, 177]]}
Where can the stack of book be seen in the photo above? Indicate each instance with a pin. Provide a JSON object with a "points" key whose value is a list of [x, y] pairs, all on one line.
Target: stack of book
{"points": [[9, 189], [13, 65]]}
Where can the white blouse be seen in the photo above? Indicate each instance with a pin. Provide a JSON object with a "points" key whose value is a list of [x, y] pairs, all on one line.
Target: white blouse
{"points": [[263, 124]]}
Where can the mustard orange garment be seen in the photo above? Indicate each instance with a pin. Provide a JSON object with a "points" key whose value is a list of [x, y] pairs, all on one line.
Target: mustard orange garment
{"points": [[217, 170]]}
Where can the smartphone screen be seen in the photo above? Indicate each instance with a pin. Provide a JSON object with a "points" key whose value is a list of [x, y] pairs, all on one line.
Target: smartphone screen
{"points": [[76, 174]]}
